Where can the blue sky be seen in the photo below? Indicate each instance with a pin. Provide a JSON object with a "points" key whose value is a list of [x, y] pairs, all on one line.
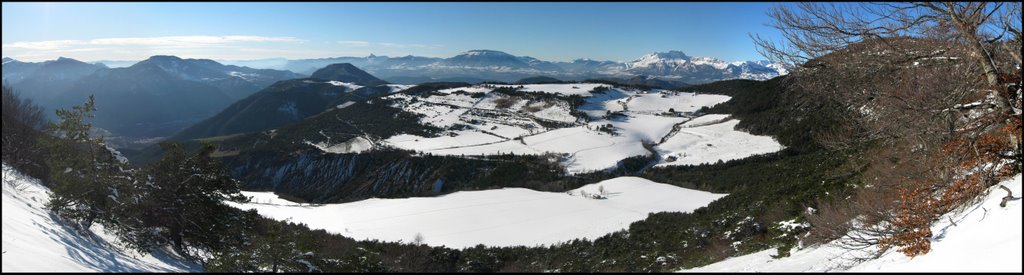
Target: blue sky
{"points": [[548, 31]]}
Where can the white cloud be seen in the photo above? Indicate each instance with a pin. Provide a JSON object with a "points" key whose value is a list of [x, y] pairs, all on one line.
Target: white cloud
{"points": [[354, 43], [162, 41], [42, 45], [234, 47]]}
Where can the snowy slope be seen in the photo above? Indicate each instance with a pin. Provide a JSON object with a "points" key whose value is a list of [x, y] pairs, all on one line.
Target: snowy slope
{"points": [[986, 238], [33, 241], [504, 217], [676, 64]]}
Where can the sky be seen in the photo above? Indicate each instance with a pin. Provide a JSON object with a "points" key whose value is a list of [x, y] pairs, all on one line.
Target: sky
{"points": [[246, 31]]}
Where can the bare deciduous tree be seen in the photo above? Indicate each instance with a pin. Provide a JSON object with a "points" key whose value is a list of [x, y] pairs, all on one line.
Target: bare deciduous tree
{"points": [[418, 239], [918, 81], [813, 30]]}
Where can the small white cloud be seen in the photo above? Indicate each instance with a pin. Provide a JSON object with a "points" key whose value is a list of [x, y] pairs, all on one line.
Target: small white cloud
{"points": [[354, 43], [42, 45]]}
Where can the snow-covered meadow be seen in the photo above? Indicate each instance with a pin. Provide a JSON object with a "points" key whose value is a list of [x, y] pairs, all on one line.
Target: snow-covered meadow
{"points": [[490, 123], [503, 217]]}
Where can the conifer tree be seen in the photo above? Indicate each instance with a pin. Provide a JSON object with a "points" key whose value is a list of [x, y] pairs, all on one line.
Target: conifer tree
{"points": [[183, 205], [77, 175]]}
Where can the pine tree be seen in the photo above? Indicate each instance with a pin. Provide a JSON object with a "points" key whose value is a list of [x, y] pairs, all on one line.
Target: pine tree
{"points": [[80, 193], [183, 202]]}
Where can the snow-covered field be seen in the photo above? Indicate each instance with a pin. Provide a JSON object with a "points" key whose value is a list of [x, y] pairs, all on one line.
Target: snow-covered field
{"points": [[490, 128], [398, 87], [352, 86], [714, 141], [503, 217], [33, 241], [681, 102], [348, 86], [984, 238], [354, 145]]}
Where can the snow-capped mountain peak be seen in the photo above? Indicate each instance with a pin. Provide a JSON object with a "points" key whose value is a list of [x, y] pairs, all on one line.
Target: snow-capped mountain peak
{"points": [[485, 53], [486, 59], [676, 64], [674, 57], [713, 62], [669, 55], [503, 66]]}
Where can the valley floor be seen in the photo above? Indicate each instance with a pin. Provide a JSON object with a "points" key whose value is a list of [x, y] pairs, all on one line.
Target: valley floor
{"points": [[503, 217]]}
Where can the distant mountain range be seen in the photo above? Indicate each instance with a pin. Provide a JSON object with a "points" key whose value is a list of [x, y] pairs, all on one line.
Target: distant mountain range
{"points": [[151, 98], [490, 65], [501, 66]]}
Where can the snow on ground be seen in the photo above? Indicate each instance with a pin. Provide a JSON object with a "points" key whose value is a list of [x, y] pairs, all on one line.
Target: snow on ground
{"points": [[706, 120], [490, 102], [478, 89], [500, 124], [503, 217], [34, 241], [713, 142], [582, 89], [459, 100], [348, 86], [643, 127], [680, 102], [268, 198], [611, 100], [985, 238], [354, 145], [462, 138], [589, 150], [551, 110], [398, 87], [502, 129], [346, 104], [436, 114]]}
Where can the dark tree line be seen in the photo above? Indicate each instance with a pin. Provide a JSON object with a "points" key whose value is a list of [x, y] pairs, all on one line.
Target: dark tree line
{"points": [[23, 122]]}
